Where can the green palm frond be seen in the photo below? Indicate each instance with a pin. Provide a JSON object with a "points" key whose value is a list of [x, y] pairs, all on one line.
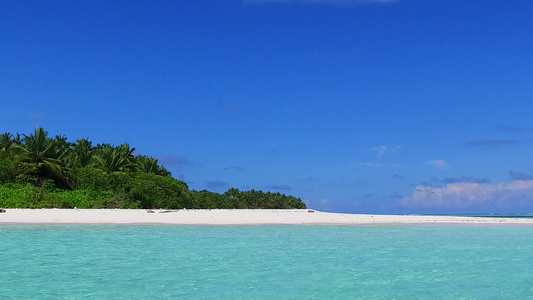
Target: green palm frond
{"points": [[115, 159], [6, 142], [83, 152], [43, 156], [150, 165]]}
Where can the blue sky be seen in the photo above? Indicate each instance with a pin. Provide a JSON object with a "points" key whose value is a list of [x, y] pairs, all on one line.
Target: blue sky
{"points": [[376, 106]]}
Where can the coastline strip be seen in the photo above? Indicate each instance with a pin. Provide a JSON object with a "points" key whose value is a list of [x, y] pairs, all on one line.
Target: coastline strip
{"points": [[236, 217]]}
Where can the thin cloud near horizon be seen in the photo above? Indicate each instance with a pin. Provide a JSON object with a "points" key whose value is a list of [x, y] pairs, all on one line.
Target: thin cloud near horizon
{"points": [[517, 194]]}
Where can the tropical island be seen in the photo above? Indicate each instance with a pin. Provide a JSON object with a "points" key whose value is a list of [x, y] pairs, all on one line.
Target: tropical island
{"points": [[38, 171]]}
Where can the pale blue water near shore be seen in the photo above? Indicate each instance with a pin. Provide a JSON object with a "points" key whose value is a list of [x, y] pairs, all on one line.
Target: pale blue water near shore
{"points": [[265, 262]]}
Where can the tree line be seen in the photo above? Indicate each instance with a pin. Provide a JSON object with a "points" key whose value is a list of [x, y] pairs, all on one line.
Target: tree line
{"points": [[39, 171]]}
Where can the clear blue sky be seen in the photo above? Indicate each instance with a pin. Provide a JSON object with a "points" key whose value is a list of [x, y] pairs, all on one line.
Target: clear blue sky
{"points": [[379, 106]]}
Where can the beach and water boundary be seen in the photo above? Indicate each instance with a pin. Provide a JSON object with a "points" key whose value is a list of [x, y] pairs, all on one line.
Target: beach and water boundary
{"points": [[237, 217], [117, 254]]}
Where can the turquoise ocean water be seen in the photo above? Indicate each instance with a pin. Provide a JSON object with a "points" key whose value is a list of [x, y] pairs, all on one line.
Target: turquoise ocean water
{"points": [[265, 262]]}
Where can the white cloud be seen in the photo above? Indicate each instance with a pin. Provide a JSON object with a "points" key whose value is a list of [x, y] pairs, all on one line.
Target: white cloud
{"points": [[439, 163], [464, 195], [385, 149]]}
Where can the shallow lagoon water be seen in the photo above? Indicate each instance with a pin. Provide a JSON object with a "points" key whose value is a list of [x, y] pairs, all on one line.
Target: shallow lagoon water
{"points": [[265, 262]]}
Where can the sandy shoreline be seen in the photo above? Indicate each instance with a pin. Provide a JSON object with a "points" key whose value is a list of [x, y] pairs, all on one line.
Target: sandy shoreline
{"points": [[234, 217]]}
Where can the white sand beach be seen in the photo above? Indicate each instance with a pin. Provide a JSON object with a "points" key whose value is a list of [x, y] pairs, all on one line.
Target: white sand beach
{"points": [[233, 217]]}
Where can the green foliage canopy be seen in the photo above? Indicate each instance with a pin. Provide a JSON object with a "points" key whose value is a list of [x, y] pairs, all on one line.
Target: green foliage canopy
{"points": [[37, 171]]}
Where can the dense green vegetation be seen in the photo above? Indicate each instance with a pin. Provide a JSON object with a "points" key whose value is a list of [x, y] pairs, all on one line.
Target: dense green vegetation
{"points": [[37, 171]]}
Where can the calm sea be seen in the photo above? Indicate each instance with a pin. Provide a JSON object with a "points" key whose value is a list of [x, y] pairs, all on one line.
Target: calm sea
{"points": [[265, 262]]}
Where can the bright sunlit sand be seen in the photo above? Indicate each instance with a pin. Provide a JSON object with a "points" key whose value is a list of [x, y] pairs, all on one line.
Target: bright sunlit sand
{"points": [[234, 217]]}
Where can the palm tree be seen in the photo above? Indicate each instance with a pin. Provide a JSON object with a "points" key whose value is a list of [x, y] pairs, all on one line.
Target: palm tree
{"points": [[115, 159], [41, 158], [61, 142], [149, 165], [83, 152], [18, 139], [6, 142]]}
